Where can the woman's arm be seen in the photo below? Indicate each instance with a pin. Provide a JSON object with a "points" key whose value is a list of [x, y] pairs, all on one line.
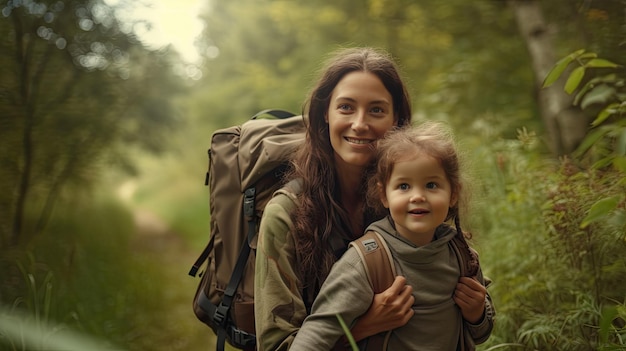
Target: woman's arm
{"points": [[278, 306], [389, 310]]}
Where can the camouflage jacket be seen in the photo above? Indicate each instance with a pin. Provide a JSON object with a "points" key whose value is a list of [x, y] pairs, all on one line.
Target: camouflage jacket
{"points": [[278, 305]]}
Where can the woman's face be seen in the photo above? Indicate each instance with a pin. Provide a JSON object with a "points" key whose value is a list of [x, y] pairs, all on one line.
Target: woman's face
{"points": [[360, 112]]}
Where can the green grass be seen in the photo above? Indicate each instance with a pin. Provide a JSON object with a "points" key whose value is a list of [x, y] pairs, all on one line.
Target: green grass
{"points": [[89, 273]]}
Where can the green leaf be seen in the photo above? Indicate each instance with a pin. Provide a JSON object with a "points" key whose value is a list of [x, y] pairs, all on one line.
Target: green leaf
{"points": [[559, 67], [608, 314], [605, 113], [600, 209], [600, 63], [603, 162], [574, 79], [583, 91], [609, 78], [346, 330], [619, 163], [618, 220], [589, 140], [587, 55], [621, 143], [601, 94]]}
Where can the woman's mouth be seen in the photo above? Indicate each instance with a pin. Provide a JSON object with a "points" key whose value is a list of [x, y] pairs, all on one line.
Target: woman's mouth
{"points": [[358, 140]]}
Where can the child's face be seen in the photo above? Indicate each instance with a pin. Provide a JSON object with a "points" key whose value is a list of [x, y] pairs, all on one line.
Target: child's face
{"points": [[418, 196]]}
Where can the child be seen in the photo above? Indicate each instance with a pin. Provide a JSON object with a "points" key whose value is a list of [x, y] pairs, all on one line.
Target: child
{"points": [[417, 182]]}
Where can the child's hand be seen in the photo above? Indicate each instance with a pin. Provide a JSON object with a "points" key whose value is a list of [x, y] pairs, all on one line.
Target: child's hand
{"points": [[469, 295]]}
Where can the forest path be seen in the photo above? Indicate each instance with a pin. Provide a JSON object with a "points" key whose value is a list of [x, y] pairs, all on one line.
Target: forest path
{"points": [[159, 244]]}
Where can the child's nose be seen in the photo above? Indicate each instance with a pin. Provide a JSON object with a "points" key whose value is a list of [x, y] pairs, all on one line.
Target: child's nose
{"points": [[417, 195]]}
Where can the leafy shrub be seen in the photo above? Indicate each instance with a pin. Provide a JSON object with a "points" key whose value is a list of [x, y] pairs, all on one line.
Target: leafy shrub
{"points": [[552, 234]]}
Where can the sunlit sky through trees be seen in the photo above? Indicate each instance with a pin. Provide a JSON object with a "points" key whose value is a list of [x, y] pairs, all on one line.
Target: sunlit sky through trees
{"points": [[174, 22]]}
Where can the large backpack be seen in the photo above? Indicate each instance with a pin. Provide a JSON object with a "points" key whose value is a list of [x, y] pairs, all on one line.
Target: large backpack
{"points": [[246, 164]]}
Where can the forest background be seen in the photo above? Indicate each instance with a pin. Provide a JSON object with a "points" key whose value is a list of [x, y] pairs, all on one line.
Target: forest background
{"points": [[103, 206]]}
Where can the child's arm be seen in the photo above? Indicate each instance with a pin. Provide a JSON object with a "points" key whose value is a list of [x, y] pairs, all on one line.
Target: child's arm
{"points": [[346, 291]]}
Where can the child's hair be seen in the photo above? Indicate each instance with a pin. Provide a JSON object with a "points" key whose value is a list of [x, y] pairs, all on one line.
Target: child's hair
{"points": [[431, 138]]}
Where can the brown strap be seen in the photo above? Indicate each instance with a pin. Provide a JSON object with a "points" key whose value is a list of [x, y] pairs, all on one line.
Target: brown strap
{"points": [[468, 263], [466, 256], [378, 261], [380, 271]]}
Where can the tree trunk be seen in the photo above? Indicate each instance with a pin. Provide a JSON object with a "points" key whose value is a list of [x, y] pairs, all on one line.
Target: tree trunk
{"points": [[566, 124]]}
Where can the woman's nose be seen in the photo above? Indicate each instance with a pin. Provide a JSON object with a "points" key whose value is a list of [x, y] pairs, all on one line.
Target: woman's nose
{"points": [[359, 123]]}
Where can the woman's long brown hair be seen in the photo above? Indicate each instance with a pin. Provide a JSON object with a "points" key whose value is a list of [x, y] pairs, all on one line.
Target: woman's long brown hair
{"points": [[320, 215]]}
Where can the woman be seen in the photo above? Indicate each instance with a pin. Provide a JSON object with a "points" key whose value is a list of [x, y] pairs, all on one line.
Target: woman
{"points": [[358, 98]]}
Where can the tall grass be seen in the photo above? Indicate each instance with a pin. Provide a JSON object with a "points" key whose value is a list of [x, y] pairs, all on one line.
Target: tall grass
{"points": [[86, 274]]}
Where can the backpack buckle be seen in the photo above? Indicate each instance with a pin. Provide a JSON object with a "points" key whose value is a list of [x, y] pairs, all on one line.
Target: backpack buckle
{"points": [[248, 202], [240, 337], [220, 314]]}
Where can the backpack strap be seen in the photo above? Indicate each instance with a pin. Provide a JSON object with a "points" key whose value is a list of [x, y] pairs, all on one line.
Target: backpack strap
{"points": [[376, 257], [468, 265], [202, 258], [220, 313], [275, 113], [381, 272], [468, 259]]}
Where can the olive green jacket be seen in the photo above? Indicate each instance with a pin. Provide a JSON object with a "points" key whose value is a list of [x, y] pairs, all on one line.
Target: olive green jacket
{"points": [[279, 308]]}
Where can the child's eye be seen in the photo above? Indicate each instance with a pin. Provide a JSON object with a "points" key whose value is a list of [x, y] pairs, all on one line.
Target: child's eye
{"points": [[432, 185], [403, 186]]}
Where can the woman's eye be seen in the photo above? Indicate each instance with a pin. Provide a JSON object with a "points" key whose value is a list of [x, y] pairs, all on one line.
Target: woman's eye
{"points": [[344, 107], [378, 110]]}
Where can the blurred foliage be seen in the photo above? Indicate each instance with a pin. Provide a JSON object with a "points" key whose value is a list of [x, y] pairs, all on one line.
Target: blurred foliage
{"points": [[605, 145], [90, 273], [76, 91], [265, 53], [35, 335], [552, 278], [556, 245]]}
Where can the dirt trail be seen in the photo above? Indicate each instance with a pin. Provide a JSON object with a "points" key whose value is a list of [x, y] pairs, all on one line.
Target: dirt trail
{"points": [[156, 240]]}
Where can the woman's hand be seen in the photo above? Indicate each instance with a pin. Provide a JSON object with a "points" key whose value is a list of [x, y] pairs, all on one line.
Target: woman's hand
{"points": [[470, 297], [390, 309]]}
